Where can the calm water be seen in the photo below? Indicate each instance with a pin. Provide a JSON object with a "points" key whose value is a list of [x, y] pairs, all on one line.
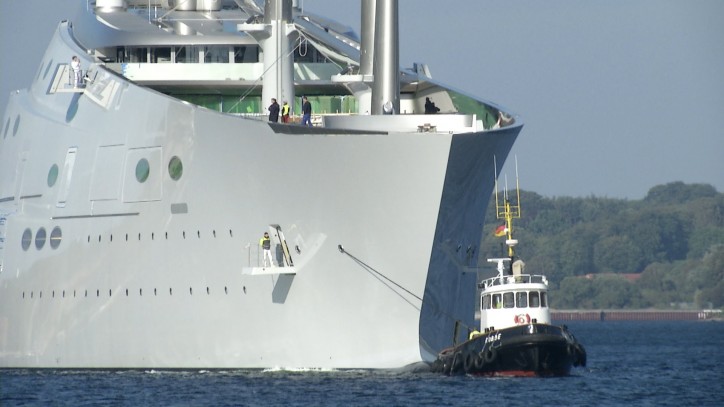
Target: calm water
{"points": [[629, 363]]}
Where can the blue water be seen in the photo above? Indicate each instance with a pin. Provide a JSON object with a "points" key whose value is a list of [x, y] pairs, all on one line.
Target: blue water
{"points": [[629, 363]]}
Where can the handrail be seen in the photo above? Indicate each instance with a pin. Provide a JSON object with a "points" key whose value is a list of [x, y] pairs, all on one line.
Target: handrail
{"points": [[515, 279]]}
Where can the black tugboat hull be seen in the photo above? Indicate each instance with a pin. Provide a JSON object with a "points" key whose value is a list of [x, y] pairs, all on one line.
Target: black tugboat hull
{"points": [[520, 351]]}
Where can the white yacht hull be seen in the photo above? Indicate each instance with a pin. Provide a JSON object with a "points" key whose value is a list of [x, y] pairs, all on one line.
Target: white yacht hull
{"points": [[150, 274]]}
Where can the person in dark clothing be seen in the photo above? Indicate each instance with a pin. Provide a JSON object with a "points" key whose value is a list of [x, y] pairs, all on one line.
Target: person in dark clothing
{"points": [[430, 107], [274, 111], [306, 112]]}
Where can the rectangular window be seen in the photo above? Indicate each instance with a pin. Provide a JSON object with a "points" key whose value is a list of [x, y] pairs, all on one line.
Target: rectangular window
{"points": [[543, 299], [508, 300], [187, 54], [497, 303], [216, 54], [533, 299], [161, 55], [486, 301], [139, 54], [246, 54], [521, 300]]}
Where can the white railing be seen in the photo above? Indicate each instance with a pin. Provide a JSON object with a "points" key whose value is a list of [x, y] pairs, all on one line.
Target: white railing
{"points": [[513, 279]]}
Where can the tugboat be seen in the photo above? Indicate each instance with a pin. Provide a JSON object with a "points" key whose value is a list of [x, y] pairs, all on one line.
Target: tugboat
{"points": [[516, 337]]}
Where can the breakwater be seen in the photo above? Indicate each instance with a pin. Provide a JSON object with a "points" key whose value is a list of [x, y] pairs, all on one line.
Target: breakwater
{"points": [[634, 315]]}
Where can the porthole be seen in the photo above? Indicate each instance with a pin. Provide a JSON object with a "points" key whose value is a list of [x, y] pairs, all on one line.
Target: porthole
{"points": [[175, 168], [16, 126], [27, 239], [52, 175], [40, 238], [142, 170]]}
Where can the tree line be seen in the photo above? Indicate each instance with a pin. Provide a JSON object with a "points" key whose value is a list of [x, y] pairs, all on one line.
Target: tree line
{"points": [[663, 251]]}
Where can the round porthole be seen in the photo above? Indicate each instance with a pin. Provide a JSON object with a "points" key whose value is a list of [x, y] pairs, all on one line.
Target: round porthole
{"points": [[55, 237], [175, 168], [52, 175], [27, 239], [40, 238], [142, 170]]}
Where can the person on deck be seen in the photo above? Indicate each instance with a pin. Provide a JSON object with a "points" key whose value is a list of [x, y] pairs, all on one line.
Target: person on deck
{"points": [[75, 66], [306, 112], [265, 244], [430, 107], [285, 112], [274, 111]]}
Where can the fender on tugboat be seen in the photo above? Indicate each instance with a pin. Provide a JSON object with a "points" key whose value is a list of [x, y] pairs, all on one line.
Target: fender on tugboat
{"points": [[490, 355]]}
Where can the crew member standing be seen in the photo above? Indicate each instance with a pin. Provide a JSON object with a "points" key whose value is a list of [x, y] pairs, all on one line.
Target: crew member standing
{"points": [[306, 112], [265, 244], [285, 112], [274, 111], [75, 66]]}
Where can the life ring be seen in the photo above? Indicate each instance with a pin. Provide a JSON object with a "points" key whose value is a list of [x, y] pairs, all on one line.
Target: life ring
{"points": [[522, 319], [490, 355]]}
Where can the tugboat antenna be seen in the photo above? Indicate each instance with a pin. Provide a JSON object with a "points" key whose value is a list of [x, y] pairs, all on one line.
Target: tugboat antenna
{"points": [[508, 211]]}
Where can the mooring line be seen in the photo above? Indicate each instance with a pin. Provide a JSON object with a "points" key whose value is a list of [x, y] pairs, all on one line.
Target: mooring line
{"points": [[370, 268]]}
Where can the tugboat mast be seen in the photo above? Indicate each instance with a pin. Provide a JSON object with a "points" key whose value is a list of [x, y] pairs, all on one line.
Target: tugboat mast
{"points": [[508, 211]]}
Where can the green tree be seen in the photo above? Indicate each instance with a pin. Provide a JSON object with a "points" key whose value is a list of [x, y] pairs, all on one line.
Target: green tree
{"points": [[617, 254], [678, 192]]}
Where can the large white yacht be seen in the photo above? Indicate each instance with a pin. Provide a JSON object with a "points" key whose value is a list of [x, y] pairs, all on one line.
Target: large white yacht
{"points": [[135, 189]]}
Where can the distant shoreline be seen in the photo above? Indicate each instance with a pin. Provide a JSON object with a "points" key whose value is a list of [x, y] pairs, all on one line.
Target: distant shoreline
{"points": [[637, 315]]}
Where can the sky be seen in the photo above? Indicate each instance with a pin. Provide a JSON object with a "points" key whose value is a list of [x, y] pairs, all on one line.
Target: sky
{"points": [[617, 96]]}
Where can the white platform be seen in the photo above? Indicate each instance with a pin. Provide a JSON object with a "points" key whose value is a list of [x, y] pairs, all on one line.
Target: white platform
{"points": [[261, 271]]}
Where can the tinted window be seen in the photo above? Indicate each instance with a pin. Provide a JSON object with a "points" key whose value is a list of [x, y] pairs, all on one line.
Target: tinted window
{"points": [[508, 300], [533, 299], [521, 300], [497, 303]]}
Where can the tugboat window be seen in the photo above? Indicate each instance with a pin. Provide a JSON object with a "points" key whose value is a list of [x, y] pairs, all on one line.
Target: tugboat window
{"points": [[486, 301], [142, 170], [534, 299], [508, 301], [521, 300], [543, 299], [497, 303]]}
